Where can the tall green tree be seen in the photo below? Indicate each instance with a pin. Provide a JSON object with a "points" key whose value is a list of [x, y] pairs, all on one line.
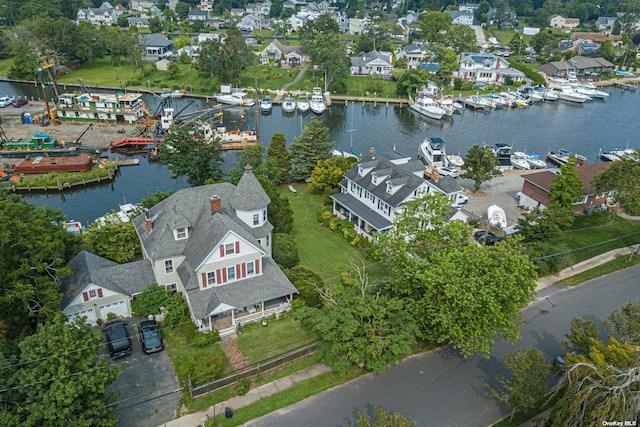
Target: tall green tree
{"points": [[225, 58], [526, 386], [25, 64], [320, 39], [63, 381], [580, 337], [308, 148], [458, 292], [376, 36], [564, 191], [434, 27], [482, 165], [34, 252], [359, 326], [117, 242], [623, 177], [278, 159], [188, 153], [329, 172], [624, 324]]}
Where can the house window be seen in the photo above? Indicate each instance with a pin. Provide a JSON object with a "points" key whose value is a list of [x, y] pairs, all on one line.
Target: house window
{"points": [[264, 215], [231, 273], [211, 278], [229, 249], [171, 287], [389, 187], [250, 270], [93, 294], [267, 240], [374, 179], [256, 219], [168, 266], [181, 233]]}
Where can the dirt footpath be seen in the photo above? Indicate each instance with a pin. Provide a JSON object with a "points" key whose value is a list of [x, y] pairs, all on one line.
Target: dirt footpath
{"points": [[99, 136]]}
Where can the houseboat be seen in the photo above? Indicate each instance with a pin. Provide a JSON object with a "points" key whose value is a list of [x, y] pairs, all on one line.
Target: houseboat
{"points": [[432, 152], [101, 107]]}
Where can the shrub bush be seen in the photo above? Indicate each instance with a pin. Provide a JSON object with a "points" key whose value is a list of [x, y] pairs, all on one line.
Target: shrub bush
{"points": [[285, 251], [243, 386]]}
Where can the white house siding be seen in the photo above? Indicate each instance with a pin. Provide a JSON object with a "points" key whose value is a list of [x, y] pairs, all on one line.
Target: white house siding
{"points": [[164, 278], [98, 304], [247, 217]]}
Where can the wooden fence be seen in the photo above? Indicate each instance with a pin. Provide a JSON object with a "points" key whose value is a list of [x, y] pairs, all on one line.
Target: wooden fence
{"points": [[200, 389]]}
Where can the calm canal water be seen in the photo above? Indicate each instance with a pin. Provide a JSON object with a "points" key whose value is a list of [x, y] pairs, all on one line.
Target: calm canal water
{"points": [[547, 126]]}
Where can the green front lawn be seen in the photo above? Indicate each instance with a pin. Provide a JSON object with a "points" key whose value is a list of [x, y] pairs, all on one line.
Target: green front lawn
{"points": [[321, 251], [593, 235], [258, 343]]}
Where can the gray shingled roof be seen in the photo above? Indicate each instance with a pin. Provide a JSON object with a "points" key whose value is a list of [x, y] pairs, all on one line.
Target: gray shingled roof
{"points": [[155, 40], [378, 162], [249, 194], [270, 285], [447, 184], [88, 268]]}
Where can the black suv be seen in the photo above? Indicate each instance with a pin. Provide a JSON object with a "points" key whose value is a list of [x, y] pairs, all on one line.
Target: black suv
{"points": [[118, 341], [488, 239]]}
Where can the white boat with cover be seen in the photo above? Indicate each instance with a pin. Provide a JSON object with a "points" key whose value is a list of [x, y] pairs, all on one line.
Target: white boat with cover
{"points": [[289, 104], [235, 98], [427, 106], [496, 216], [303, 104], [519, 161], [432, 152]]}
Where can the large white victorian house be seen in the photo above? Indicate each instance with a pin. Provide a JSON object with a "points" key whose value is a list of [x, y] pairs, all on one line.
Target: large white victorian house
{"points": [[213, 243], [378, 186]]}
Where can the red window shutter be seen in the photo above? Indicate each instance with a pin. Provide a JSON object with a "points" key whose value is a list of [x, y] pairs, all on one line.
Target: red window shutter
{"points": [[85, 296], [100, 292], [238, 271], [257, 266], [237, 247], [224, 275], [204, 280], [218, 276], [244, 270], [221, 250]]}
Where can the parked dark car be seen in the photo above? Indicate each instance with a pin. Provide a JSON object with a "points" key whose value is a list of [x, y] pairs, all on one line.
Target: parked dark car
{"points": [[20, 103], [488, 239], [150, 336], [118, 340]]}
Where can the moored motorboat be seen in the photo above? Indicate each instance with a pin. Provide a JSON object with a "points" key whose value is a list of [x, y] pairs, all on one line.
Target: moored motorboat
{"points": [[317, 101], [568, 93], [455, 160], [534, 161], [609, 156], [562, 156], [427, 106], [519, 161], [289, 104], [266, 105], [237, 98], [476, 102], [303, 104], [432, 153]]}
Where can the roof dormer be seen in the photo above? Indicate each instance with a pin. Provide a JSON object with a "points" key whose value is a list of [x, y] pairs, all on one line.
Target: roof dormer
{"points": [[394, 185], [366, 167]]}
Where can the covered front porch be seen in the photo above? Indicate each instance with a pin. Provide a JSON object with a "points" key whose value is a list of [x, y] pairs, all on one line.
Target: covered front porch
{"points": [[225, 319], [366, 222]]}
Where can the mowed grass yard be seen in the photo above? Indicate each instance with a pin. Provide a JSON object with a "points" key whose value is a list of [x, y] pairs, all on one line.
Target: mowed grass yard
{"points": [[322, 251]]}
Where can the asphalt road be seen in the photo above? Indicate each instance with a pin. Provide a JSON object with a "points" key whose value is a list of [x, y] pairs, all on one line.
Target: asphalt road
{"points": [[147, 386], [440, 388]]}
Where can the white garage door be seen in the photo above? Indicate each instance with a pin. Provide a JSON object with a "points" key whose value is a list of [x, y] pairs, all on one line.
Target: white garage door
{"points": [[119, 308], [90, 314]]}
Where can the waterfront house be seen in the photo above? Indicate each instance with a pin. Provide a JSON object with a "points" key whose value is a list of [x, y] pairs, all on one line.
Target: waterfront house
{"points": [[486, 68], [377, 187], [98, 287], [213, 244], [276, 52], [372, 63], [558, 21], [579, 65], [536, 188], [155, 46], [459, 17]]}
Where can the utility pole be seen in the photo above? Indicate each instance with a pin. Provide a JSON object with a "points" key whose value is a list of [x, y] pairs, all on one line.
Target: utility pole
{"points": [[257, 119]]}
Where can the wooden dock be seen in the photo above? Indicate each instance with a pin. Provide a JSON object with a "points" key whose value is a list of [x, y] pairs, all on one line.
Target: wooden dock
{"points": [[625, 86]]}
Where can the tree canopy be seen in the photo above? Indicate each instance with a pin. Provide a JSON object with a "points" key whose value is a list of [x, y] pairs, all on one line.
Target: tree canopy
{"points": [[482, 165], [308, 148], [624, 177], [460, 293], [187, 152]]}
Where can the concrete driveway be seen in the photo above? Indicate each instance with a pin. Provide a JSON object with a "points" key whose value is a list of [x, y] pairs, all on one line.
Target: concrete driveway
{"points": [[147, 385], [499, 191]]}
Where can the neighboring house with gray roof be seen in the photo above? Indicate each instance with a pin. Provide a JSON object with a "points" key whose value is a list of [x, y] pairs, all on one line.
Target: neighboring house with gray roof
{"points": [[98, 286], [213, 244], [377, 187], [156, 46], [276, 51], [374, 62]]}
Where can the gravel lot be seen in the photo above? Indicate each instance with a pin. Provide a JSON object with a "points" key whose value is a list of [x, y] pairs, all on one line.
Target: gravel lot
{"points": [[100, 136], [499, 191]]}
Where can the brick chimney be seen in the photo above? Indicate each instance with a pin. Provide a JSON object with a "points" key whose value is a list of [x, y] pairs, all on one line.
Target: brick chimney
{"points": [[147, 222], [435, 176], [215, 204]]}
